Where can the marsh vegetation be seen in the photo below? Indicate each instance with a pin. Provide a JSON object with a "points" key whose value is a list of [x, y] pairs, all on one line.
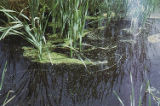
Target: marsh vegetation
{"points": [[79, 52]]}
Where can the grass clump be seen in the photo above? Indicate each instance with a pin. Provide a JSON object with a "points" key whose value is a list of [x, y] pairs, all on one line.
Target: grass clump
{"points": [[31, 28], [67, 20]]}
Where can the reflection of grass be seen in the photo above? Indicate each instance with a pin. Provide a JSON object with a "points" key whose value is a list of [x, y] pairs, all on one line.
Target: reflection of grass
{"points": [[152, 94], [132, 96], [3, 76], [6, 101]]}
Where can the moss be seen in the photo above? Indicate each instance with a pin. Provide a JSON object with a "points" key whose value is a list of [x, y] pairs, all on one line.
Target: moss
{"points": [[51, 57]]}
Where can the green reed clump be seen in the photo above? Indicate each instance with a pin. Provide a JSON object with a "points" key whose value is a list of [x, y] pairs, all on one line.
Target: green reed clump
{"points": [[110, 9], [31, 28], [36, 31], [68, 19]]}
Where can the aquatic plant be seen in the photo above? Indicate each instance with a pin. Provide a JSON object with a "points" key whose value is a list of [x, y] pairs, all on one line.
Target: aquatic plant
{"points": [[132, 96], [69, 21], [31, 29], [148, 89], [142, 11], [36, 31], [6, 101], [107, 10], [73, 17], [3, 76]]}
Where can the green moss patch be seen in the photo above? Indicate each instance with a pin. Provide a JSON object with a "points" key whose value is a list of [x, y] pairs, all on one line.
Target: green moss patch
{"points": [[51, 57]]}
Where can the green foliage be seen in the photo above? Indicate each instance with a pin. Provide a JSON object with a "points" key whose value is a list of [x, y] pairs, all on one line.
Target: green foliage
{"points": [[112, 9], [19, 24], [69, 18], [36, 31]]}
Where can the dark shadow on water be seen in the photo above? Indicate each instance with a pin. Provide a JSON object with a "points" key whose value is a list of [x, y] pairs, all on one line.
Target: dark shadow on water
{"points": [[37, 84]]}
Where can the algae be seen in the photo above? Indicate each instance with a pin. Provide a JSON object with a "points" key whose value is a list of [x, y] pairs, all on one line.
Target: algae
{"points": [[57, 51], [50, 53], [51, 57]]}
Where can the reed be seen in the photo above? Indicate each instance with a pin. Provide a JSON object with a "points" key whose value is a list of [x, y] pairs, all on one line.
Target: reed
{"points": [[68, 18], [109, 9], [151, 91], [69, 21], [30, 28]]}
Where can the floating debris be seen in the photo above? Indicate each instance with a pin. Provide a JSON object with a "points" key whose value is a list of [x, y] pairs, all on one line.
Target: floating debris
{"points": [[101, 62], [129, 31], [154, 38], [128, 41]]}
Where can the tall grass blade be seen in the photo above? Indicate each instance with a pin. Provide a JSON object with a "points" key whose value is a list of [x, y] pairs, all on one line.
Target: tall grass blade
{"points": [[132, 94], [6, 101], [149, 93], [140, 98], [118, 98], [5, 33], [3, 76]]}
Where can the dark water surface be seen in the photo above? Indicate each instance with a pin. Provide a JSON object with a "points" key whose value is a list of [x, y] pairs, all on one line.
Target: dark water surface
{"points": [[37, 84]]}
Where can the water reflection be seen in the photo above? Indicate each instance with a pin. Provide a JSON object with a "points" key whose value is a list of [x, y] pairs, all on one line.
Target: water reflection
{"points": [[40, 85], [62, 85], [43, 84]]}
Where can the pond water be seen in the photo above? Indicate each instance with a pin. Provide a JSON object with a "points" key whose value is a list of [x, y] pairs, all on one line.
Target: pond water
{"points": [[35, 84]]}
